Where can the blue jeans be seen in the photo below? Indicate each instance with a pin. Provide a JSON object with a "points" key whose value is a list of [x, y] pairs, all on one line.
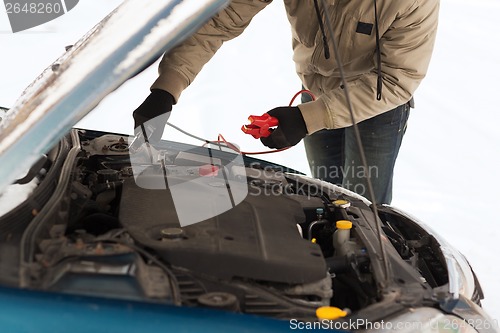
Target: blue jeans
{"points": [[333, 155]]}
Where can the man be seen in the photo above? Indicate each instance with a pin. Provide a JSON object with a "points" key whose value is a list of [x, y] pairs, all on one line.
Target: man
{"points": [[385, 47]]}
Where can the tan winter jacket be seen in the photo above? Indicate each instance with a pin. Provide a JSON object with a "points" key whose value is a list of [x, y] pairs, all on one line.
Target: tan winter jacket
{"points": [[407, 33]]}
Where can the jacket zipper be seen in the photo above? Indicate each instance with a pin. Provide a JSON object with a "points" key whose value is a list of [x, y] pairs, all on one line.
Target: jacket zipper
{"points": [[318, 45]]}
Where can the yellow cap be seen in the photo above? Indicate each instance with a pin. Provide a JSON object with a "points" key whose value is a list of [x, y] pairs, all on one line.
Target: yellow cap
{"points": [[344, 224], [330, 313], [341, 203], [313, 240]]}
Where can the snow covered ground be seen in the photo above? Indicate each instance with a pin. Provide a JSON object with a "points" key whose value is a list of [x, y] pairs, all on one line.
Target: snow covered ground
{"points": [[448, 172]]}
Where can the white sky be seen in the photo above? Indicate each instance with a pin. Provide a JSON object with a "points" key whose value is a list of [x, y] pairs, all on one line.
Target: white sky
{"points": [[447, 174]]}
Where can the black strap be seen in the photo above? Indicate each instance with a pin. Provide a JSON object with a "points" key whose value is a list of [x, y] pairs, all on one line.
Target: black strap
{"points": [[379, 57], [322, 27]]}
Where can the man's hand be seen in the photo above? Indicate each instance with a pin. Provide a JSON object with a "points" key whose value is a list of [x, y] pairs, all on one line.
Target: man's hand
{"points": [[291, 128], [152, 115]]}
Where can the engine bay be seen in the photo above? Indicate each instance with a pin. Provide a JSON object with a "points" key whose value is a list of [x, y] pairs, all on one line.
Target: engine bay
{"points": [[286, 247]]}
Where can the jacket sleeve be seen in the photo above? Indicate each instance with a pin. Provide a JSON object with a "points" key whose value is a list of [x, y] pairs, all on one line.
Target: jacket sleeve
{"points": [[179, 67], [406, 49]]}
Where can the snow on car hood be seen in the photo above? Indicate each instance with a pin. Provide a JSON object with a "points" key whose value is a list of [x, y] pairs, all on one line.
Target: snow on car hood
{"points": [[113, 51]]}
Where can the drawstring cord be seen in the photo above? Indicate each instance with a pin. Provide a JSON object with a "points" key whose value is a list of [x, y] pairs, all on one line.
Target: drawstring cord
{"points": [[379, 56], [377, 41], [322, 28]]}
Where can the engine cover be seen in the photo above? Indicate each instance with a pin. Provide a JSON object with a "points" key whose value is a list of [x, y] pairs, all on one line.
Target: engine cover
{"points": [[258, 239]]}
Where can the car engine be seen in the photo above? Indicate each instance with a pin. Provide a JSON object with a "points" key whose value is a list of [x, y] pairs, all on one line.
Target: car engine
{"points": [[277, 245]]}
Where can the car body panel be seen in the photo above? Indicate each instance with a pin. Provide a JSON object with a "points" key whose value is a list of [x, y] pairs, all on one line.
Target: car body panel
{"points": [[50, 312]]}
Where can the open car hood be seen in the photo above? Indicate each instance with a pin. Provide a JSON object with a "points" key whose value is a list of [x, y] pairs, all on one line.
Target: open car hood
{"points": [[101, 61]]}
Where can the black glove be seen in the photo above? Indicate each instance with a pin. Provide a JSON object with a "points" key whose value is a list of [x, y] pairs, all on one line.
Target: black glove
{"points": [[153, 113], [291, 129]]}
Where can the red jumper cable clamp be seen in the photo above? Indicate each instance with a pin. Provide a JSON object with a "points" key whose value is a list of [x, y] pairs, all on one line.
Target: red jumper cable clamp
{"points": [[260, 126]]}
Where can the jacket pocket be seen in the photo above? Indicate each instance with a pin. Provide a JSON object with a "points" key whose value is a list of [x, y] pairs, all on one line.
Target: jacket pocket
{"points": [[342, 29], [355, 45]]}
